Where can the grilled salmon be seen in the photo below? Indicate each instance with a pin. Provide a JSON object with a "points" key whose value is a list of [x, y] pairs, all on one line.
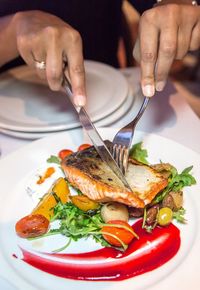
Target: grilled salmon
{"points": [[86, 171]]}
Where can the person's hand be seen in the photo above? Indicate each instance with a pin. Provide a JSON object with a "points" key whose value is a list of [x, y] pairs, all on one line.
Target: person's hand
{"points": [[166, 33], [42, 37]]}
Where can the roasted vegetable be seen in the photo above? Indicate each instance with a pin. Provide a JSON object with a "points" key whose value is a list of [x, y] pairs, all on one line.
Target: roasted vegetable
{"points": [[118, 233], [114, 211], [152, 213], [173, 200], [32, 226], [58, 192], [135, 212], [84, 203]]}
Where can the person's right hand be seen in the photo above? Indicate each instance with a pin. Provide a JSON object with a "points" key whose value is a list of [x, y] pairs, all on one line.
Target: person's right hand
{"points": [[44, 37]]}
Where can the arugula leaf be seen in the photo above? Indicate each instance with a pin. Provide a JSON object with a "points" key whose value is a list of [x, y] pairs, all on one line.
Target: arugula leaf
{"points": [[183, 179], [54, 159], [179, 215], [176, 183], [138, 153], [76, 224]]}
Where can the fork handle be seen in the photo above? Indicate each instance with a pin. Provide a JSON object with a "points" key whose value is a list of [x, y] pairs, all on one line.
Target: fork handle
{"points": [[141, 111], [129, 128]]}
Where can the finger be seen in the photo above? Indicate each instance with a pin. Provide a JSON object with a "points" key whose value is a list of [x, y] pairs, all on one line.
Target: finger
{"points": [[183, 41], [76, 69], [195, 38], [25, 50], [54, 67], [31, 52], [166, 55], [38, 57], [136, 51], [148, 53]]}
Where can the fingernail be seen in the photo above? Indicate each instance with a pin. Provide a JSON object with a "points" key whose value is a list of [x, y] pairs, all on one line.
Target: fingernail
{"points": [[80, 100], [160, 86], [148, 90]]}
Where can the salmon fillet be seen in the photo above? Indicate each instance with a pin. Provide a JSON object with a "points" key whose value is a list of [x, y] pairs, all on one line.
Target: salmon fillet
{"points": [[86, 171]]}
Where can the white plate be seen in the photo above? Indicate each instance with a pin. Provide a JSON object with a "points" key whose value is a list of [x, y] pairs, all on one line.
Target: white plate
{"points": [[126, 108], [6, 285], [16, 171], [28, 105]]}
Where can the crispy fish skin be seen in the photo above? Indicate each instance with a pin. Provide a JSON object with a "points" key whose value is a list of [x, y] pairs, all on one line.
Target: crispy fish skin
{"points": [[87, 172]]}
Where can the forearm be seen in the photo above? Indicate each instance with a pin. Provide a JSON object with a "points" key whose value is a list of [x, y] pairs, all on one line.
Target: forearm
{"points": [[142, 5], [187, 2], [8, 47]]}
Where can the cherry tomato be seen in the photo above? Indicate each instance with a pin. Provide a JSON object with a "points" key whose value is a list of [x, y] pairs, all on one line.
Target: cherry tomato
{"points": [[64, 153], [83, 146], [124, 234], [31, 226]]}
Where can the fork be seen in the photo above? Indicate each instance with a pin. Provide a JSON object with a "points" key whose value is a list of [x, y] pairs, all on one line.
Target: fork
{"points": [[123, 139]]}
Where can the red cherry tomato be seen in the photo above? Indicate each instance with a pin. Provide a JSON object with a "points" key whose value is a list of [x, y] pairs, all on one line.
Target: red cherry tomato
{"points": [[64, 153], [31, 226], [124, 234], [83, 146]]}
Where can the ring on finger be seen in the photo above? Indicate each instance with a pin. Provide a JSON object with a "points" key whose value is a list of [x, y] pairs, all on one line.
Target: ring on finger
{"points": [[40, 64]]}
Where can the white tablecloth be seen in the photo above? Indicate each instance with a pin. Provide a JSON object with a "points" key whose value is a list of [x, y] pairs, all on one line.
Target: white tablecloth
{"points": [[168, 115]]}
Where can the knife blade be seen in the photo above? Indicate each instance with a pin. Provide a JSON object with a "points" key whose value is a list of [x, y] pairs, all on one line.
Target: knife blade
{"points": [[94, 136]]}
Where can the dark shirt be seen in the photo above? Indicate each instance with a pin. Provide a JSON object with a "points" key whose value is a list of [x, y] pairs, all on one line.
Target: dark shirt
{"points": [[98, 21]]}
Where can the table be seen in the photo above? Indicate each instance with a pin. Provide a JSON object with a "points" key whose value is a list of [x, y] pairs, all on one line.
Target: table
{"points": [[167, 115]]}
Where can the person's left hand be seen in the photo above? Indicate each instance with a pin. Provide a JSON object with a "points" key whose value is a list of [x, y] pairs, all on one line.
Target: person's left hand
{"points": [[166, 33]]}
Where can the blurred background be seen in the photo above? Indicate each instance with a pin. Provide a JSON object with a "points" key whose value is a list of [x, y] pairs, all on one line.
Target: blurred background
{"points": [[185, 74]]}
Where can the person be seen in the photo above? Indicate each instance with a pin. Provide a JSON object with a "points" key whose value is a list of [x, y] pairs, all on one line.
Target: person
{"points": [[49, 34]]}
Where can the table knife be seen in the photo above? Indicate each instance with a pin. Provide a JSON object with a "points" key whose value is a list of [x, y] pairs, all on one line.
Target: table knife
{"points": [[94, 136]]}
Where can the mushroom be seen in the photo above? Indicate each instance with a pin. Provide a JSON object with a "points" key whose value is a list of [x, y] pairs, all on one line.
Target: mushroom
{"points": [[173, 200]]}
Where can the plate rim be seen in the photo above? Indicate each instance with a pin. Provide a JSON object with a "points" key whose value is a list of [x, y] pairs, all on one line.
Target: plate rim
{"points": [[125, 108], [90, 66]]}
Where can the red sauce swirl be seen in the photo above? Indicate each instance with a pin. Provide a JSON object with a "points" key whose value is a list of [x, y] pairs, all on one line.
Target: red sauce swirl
{"points": [[143, 255]]}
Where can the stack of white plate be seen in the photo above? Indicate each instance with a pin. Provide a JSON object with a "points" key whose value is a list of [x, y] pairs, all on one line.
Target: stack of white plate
{"points": [[30, 110]]}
